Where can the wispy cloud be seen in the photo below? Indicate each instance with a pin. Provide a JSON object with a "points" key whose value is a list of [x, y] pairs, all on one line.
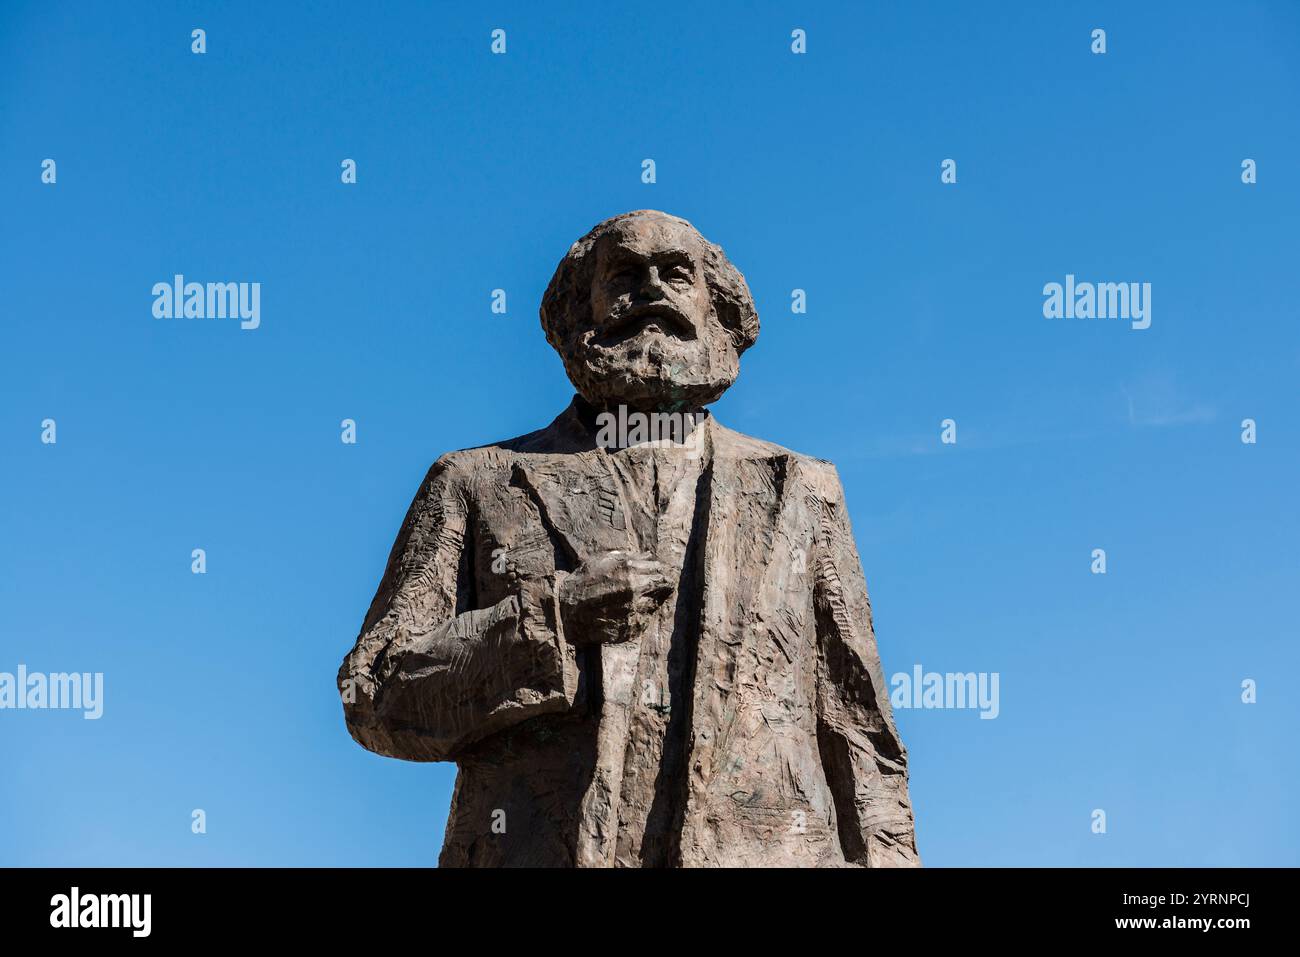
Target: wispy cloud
{"points": [[1156, 401]]}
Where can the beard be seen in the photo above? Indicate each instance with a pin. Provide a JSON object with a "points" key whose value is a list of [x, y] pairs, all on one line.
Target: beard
{"points": [[653, 370]]}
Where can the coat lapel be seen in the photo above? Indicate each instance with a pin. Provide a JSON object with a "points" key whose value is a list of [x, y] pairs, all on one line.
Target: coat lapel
{"points": [[580, 501], [747, 508]]}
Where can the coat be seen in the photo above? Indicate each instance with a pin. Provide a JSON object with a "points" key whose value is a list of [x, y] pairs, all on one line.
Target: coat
{"points": [[792, 755]]}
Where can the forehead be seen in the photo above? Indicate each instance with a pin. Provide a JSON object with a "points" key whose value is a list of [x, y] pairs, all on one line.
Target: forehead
{"points": [[646, 237]]}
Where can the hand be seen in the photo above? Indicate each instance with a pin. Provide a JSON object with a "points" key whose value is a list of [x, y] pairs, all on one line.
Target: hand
{"points": [[611, 597]]}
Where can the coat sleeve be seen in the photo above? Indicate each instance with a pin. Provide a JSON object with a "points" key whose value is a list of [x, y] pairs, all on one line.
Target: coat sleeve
{"points": [[862, 753], [430, 675]]}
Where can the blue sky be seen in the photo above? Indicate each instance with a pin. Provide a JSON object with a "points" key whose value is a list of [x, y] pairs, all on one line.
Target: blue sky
{"points": [[821, 171]]}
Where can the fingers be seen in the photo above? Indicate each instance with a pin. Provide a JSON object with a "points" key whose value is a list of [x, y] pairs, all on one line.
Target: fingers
{"points": [[611, 596], [654, 585]]}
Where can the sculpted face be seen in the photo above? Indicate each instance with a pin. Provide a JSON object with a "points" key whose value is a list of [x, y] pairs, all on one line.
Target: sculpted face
{"points": [[649, 335], [648, 285]]}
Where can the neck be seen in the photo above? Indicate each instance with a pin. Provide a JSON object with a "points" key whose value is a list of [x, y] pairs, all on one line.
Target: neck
{"points": [[588, 411], [621, 426]]}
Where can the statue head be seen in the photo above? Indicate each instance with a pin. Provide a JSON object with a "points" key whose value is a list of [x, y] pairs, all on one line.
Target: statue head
{"points": [[647, 313]]}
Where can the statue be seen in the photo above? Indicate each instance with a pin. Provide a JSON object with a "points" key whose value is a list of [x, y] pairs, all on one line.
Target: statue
{"points": [[644, 647]]}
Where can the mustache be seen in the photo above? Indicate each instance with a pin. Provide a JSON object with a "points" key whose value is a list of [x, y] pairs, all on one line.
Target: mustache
{"points": [[668, 317]]}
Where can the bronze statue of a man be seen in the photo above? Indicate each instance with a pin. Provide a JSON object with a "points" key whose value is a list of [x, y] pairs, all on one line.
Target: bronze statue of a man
{"points": [[654, 651]]}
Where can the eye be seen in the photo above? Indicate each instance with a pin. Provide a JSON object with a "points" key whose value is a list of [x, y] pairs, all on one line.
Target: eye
{"points": [[677, 273]]}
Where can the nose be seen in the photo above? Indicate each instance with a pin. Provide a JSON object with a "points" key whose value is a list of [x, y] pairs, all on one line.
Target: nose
{"points": [[651, 287]]}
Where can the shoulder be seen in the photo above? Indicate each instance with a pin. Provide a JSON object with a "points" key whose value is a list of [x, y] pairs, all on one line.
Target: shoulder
{"points": [[464, 464], [818, 478], [736, 445], [463, 469]]}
